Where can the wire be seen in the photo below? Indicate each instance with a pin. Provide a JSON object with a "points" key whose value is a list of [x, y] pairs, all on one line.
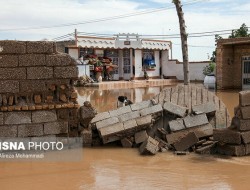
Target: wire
{"points": [[104, 19]]}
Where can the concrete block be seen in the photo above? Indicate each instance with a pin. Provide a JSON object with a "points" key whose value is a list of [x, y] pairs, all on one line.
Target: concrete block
{"points": [[145, 120], [200, 131], [30, 130], [9, 86], [17, 117], [60, 59], [231, 150], [9, 61], [66, 72], [8, 131], [227, 136], [120, 111], [245, 137], [247, 147], [111, 133], [242, 125], [197, 120], [13, 47], [86, 137], [44, 116], [207, 108], [107, 122], [55, 128], [186, 142], [141, 105], [245, 111], [141, 136], [175, 109], [39, 73], [176, 125], [28, 60], [244, 97], [40, 47], [100, 116], [128, 116], [12, 73], [126, 143], [130, 126], [149, 146], [31, 86], [151, 110]]}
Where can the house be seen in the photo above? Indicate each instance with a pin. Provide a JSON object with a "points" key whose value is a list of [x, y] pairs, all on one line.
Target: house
{"points": [[233, 63], [131, 54]]}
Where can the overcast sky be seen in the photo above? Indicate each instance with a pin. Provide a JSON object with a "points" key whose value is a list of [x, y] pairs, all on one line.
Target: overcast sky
{"points": [[200, 16]]}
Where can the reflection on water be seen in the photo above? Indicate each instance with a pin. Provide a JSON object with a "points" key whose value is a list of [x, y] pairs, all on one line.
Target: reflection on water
{"points": [[120, 168]]}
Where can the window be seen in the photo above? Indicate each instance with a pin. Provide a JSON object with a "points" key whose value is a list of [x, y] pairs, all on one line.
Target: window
{"points": [[86, 51], [148, 59]]}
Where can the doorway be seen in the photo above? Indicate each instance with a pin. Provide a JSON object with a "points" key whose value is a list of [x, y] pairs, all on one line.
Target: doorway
{"points": [[246, 73]]}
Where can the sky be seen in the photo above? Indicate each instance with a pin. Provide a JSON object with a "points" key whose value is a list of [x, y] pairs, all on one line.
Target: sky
{"points": [[36, 20]]}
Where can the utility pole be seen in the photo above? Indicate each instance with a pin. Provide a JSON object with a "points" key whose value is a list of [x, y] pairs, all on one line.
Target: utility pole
{"points": [[184, 44]]}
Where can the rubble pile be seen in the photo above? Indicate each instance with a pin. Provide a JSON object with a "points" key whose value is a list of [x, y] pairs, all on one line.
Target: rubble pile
{"points": [[235, 140], [158, 125]]}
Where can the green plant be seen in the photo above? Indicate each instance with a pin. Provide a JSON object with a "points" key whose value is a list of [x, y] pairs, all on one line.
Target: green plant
{"points": [[209, 68]]}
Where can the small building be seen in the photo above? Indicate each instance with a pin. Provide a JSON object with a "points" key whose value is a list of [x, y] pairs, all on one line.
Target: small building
{"points": [[233, 63], [131, 54]]}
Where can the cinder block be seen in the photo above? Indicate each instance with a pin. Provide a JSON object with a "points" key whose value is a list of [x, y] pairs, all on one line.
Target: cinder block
{"points": [[43, 116], [111, 133], [86, 137], [129, 127], [9, 61], [8, 131], [39, 73], [66, 72], [128, 116], [244, 98], [12, 73], [231, 150], [175, 109], [107, 122], [100, 116], [245, 137], [120, 111], [145, 120], [194, 121], [151, 110], [31, 86], [28, 60], [17, 117], [55, 128], [126, 143], [9, 86], [227, 136], [60, 59], [245, 111], [176, 125], [149, 146], [1, 118], [13, 47], [186, 142], [141, 105], [141, 136], [241, 124], [207, 108], [30, 130], [40, 47]]}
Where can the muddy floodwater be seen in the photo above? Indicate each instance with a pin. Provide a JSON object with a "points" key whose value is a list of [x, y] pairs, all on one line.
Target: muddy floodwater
{"points": [[120, 168]]}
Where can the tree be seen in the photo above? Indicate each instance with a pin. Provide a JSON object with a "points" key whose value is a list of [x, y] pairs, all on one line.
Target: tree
{"points": [[184, 44]]}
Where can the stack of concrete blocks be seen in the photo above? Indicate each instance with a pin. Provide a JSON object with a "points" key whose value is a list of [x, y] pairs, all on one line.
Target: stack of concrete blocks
{"points": [[235, 140], [37, 97], [188, 131], [129, 124]]}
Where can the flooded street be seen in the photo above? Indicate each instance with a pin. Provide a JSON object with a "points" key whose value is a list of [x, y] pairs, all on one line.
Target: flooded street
{"points": [[120, 168]]}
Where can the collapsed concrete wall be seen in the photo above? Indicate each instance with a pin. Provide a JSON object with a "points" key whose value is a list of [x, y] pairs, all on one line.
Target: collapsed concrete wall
{"points": [[37, 97]]}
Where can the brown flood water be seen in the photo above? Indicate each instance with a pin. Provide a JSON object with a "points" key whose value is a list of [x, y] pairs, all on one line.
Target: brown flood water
{"points": [[119, 168]]}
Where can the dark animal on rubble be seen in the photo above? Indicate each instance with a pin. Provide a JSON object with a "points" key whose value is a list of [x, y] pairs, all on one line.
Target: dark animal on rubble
{"points": [[123, 101]]}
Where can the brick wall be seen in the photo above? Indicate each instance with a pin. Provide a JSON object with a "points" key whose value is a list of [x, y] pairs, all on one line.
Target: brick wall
{"points": [[229, 62], [37, 97]]}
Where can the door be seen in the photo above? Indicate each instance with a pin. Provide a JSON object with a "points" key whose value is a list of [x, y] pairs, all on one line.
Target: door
{"points": [[114, 55], [126, 64], [246, 73]]}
